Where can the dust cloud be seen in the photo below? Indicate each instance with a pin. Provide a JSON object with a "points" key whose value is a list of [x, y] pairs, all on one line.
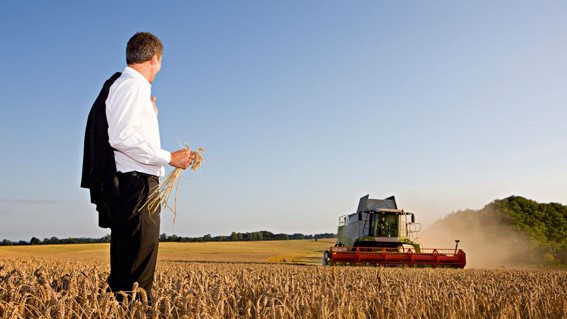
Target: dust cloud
{"points": [[486, 236]]}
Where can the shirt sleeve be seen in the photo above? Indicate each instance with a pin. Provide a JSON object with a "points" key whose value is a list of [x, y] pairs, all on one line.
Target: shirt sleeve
{"points": [[125, 126]]}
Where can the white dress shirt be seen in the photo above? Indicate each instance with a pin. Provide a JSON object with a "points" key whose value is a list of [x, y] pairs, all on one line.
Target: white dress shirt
{"points": [[133, 129]]}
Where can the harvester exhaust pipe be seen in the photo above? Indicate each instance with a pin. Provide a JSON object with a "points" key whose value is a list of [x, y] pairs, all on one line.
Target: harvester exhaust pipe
{"points": [[456, 245]]}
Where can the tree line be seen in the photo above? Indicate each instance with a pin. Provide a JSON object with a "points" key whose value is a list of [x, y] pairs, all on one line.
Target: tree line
{"points": [[234, 236], [513, 230], [545, 224]]}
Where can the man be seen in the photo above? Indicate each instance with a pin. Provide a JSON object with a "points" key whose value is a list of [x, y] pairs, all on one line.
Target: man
{"points": [[133, 135], [383, 227]]}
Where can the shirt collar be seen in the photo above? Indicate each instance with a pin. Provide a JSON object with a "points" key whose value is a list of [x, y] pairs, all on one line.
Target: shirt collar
{"points": [[130, 71]]}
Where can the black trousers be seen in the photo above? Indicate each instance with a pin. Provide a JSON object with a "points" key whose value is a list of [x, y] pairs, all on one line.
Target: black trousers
{"points": [[134, 234]]}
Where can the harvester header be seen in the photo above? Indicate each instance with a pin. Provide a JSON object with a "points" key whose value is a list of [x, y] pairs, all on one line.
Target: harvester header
{"points": [[379, 233]]}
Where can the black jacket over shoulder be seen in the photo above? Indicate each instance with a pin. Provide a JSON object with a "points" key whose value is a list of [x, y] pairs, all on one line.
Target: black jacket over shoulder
{"points": [[99, 166]]}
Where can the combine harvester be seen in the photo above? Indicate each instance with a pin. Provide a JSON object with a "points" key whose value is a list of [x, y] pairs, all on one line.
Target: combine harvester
{"points": [[381, 234]]}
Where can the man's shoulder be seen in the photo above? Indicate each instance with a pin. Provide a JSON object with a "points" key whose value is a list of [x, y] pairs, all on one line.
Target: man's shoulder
{"points": [[127, 81]]}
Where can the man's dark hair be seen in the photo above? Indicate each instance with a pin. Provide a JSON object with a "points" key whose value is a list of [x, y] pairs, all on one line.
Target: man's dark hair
{"points": [[141, 47]]}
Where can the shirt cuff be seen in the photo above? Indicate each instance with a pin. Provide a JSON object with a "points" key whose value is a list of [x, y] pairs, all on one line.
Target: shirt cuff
{"points": [[163, 157]]}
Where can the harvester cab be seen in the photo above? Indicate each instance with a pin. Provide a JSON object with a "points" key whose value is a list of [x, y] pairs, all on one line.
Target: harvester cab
{"points": [[378, 223], [379, 233]]}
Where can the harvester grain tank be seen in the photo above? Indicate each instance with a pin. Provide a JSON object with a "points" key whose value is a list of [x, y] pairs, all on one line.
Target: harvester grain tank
{"points": [[379, 233]]}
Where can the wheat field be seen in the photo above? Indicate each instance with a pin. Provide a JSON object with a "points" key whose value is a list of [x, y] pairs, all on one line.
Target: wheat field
{"points": [[58, 288]]}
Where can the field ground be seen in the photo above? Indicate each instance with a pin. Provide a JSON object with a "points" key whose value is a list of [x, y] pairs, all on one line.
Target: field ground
{"points": [[262, 280], [286, 251]]}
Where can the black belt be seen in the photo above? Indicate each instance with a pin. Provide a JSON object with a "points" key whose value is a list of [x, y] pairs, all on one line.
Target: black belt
{"points": [[135, 174]]}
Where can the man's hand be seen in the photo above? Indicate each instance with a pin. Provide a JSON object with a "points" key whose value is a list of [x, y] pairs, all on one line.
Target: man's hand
{"points": [[153, 99], [181, 158]]}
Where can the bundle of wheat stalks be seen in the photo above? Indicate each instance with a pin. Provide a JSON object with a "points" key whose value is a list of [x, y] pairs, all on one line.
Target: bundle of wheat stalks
{"points": [[161, 194]]}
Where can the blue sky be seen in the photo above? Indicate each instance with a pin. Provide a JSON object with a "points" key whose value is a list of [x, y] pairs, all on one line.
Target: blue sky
{"points": [[303, 107]]}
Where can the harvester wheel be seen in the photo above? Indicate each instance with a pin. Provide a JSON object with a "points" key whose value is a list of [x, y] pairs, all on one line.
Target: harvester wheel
{"points": [[326, 258]]}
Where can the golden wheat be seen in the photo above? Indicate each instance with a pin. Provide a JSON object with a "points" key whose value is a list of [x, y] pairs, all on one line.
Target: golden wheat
{"points": [[77, 289]]}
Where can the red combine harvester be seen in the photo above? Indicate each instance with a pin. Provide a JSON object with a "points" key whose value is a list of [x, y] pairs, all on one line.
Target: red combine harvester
{"points": [[381, 234]]}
